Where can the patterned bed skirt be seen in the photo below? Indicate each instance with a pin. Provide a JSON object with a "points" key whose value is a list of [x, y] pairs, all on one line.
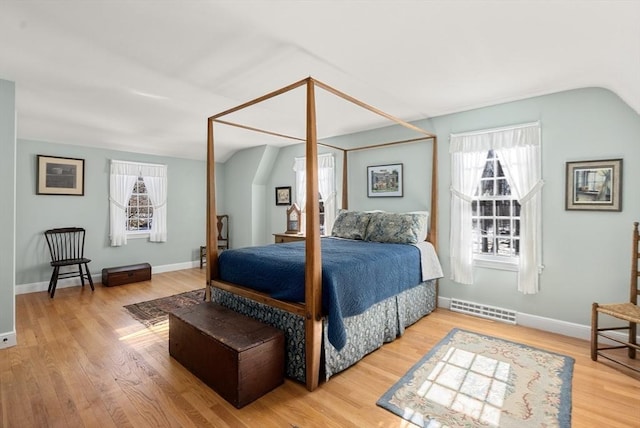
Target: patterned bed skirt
{"points": [[366, 332]]}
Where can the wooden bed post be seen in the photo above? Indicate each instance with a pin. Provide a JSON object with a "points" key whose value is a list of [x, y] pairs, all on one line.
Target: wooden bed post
{"points": [[313, 258], [345, 181], [433, 215], [212, 236]]}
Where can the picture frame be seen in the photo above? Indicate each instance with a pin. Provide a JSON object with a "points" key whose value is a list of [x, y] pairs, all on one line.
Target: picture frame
{"points": [[59, 176], [594, 185], [283, 195], [385, 181]]}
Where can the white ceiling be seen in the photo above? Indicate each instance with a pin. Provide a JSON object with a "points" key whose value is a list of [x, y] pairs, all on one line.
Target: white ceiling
{"points": [[144, 75]]}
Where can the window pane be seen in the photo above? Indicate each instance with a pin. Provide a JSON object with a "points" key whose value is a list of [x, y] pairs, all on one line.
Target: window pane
{"points": [[487, 187], [503, 188], [503, 208], [486, 208]]}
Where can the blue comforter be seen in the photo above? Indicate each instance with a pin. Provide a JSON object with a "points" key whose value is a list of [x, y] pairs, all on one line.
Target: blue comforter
{"points": [[355, 275]]}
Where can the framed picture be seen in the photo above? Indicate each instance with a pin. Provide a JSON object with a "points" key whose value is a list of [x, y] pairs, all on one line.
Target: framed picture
{"points": [[384, 181], [594, 185], [60, 176], [283, 195]]}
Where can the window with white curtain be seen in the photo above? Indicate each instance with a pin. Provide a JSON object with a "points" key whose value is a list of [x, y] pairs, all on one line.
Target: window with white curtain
{"points": [[326, 187], [137, 201], [496, 202], [495, 218]]}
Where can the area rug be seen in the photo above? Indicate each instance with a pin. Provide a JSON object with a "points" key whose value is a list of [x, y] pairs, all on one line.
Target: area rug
{"points": [[153, 312], [474, 380]]}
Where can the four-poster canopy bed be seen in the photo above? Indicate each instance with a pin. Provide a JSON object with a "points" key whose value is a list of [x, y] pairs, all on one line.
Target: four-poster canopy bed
{"points": [[309, 310]]}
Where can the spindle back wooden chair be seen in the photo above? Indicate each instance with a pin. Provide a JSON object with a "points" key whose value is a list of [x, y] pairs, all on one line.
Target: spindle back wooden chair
{"points": [[629, 312], [66, 246]]}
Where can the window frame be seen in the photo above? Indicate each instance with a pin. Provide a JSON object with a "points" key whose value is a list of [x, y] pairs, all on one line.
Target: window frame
{"points": [[138, 234], [485, 260]]}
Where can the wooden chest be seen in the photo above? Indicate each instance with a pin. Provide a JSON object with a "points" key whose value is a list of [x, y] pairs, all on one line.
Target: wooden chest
{"points": [[238, 357], [126, 274]]}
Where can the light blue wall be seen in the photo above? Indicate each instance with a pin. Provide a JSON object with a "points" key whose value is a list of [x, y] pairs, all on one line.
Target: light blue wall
{"points": [[586, 254], [7, 208], [186, 205]]}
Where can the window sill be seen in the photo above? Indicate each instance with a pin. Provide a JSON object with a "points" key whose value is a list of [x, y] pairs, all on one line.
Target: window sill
{"points": [[138, 235], [511, 265]]}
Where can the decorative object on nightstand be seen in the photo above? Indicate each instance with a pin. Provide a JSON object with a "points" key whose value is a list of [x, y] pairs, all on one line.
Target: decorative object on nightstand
{"points": [[293, 219]]}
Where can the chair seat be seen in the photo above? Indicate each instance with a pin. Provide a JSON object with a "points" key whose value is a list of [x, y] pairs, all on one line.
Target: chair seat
{"points": [[70, 262], [626, 311]]}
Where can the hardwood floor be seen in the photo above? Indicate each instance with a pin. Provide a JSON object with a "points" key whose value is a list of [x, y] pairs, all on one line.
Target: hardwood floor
{"points": [[83, 361]]}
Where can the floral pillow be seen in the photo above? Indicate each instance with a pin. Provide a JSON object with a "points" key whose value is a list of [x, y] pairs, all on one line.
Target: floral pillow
{"points": [[397, 228], [350, 224]]}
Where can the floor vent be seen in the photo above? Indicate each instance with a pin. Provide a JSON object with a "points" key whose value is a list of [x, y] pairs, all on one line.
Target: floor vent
{"points": [[484, 311]]}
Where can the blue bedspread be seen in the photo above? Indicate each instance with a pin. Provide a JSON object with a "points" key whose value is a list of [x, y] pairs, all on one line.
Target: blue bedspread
{"points": [[355, 275]]}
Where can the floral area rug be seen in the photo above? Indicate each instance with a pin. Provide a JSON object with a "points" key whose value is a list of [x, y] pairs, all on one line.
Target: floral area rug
{"points": [[474, 380], [155, 311]]}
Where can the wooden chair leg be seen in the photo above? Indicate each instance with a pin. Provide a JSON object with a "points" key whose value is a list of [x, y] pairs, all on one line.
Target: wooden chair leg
{"points": [[633, 327], [81, 274], [594, 332], [86, 266], [53, 273], [54, 280]]}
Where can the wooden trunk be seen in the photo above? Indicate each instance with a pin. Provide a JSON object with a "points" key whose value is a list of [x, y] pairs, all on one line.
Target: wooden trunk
{"points": [[238, 357], [126, 274]]}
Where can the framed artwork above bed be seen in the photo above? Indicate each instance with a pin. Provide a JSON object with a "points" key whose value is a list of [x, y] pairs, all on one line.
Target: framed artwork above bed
{"points": [[384, 181]]}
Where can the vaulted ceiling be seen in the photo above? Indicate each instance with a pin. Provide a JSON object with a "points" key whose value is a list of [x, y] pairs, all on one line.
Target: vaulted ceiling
{"points": [[144, 75]]}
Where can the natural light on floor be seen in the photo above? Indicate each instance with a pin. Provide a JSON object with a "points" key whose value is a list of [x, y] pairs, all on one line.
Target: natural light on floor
{"points": [[467, 383]]}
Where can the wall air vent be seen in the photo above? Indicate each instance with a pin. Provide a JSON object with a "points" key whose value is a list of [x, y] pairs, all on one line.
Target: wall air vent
{"points": [[483, 311]]}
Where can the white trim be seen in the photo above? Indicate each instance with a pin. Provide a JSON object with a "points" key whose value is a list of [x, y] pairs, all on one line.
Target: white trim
{"points": [[564, 328], [8, 340], [36, 287]]}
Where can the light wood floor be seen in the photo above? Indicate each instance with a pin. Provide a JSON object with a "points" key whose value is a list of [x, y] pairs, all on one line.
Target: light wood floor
{"points": [[81, 360]]}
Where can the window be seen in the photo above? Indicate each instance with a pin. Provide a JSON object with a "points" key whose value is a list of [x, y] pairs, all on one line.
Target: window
{"points": [[139, 209], [138, 201], [495, 216], [326, 188], [496, 203]]}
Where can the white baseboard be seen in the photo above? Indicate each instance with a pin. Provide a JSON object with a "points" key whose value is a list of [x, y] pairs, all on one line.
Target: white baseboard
{"points": [[97, 278], [541, 323], [8, 339]]}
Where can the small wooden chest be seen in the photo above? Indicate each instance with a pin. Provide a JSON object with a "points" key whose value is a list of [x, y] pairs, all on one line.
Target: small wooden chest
{"points": [[238, 357], [126, 274]]}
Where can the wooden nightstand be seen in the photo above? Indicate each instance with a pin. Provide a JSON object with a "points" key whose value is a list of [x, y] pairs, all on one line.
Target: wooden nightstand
{"points": [[288, 237]]}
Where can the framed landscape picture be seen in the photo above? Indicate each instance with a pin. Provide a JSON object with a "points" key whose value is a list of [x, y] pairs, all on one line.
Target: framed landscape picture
{"points": [[384, 181], [60, 176], [594, 185]]}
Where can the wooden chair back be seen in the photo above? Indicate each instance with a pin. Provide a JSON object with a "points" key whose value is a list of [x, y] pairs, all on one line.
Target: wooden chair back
{"points": [[634, 287], [223, 231], [65, 244]]}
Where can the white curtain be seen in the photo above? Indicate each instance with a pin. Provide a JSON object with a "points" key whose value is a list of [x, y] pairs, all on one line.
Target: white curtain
{"points": [[123, 177], [522, 167], [155, 179], [326, 187], [466, 171], [518, 148]]}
